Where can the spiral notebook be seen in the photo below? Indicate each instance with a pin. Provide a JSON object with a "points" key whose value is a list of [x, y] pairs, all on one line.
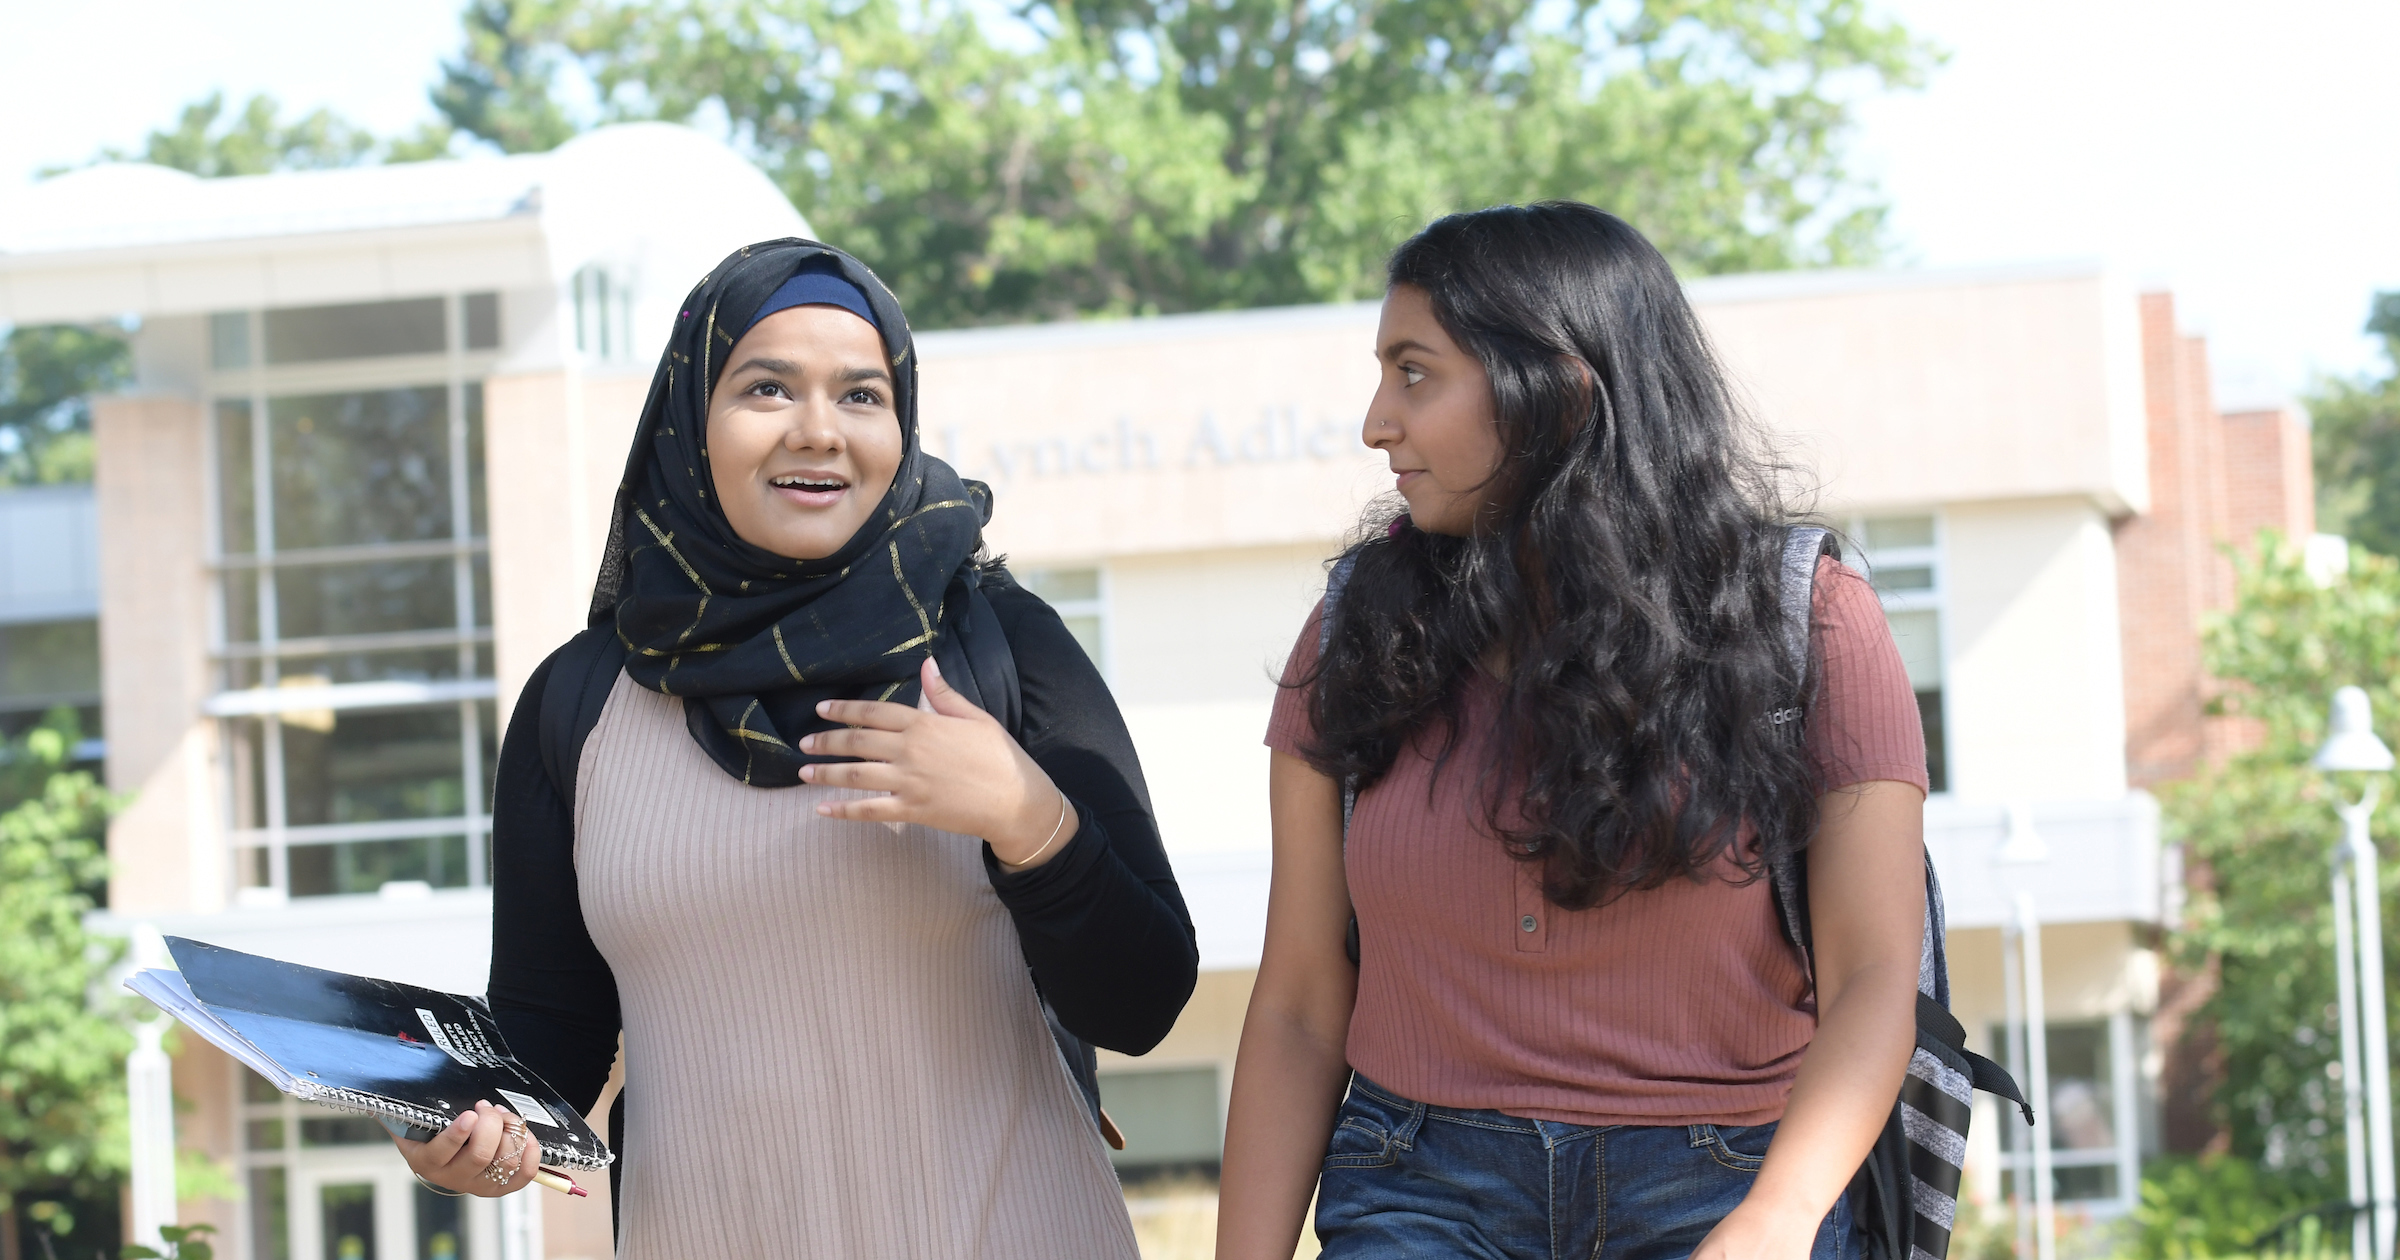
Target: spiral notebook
{"points": [[411, 1057]]}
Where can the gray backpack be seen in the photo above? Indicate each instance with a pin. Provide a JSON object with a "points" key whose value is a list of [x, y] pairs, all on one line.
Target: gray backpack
{"points": [[1905, 1196]]}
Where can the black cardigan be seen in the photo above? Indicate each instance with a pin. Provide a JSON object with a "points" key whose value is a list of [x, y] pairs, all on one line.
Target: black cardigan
{"points": [[1102, 924]]}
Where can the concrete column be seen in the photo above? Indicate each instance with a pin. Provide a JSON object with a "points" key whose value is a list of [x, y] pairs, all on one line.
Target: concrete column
{"points": [[168, 846]]}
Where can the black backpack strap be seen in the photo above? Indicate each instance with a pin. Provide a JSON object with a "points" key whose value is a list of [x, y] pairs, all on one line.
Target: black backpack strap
{"points": [[1337, 581], [582, 673]]}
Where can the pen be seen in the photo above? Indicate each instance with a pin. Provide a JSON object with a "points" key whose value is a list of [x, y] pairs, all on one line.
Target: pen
{"points": [[560, 1182]]}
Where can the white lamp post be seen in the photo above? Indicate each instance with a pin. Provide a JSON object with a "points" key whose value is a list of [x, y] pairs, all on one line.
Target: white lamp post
{"points": [[2028, 1035], [150, 1098], [2352, 748]]}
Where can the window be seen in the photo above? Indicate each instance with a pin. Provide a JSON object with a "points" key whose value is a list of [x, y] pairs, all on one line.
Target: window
{"points": [[328, 1183], [1169, 1118], [354, 596], [603, 315], [49, 663], [1901, 555], [2090, 1113], [1076, 596]]}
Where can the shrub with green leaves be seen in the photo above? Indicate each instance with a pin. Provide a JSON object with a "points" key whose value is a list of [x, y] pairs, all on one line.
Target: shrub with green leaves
{"points": [[62, 1042], [2259, 833]]}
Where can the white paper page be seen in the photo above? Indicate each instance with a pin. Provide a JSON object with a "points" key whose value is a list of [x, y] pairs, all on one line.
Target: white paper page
{"points": [[166, 990]]}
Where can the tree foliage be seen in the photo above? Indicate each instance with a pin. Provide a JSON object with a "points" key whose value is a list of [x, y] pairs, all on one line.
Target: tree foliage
{"points": [[47, 373], [1156, 155], [2356, 441], [62, 1045], [252, 141], [2262, 828]]}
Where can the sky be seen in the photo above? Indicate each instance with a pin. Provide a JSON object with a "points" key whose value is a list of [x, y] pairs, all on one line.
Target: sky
{"points": [[2241, 156]]}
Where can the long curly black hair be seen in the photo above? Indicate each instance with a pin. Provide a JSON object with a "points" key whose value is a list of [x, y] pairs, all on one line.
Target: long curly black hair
{"points": [[1624, 571]]}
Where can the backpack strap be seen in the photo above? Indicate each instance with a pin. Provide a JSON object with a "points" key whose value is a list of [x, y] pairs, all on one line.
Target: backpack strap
{"points": [[1337, 581], [1796, 596], [582, 673]]}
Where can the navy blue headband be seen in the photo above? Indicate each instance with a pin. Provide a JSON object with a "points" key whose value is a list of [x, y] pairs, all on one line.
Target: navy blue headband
{"points": [[815, 288]]}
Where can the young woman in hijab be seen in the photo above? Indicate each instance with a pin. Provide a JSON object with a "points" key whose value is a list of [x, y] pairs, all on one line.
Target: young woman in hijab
{"points": [[798, 861], [1557, 679]]}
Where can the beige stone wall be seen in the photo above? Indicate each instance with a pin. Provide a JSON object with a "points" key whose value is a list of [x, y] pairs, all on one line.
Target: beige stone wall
{"points": [[167, 846], [2034, 692], [554, 449], [1944, 390]]}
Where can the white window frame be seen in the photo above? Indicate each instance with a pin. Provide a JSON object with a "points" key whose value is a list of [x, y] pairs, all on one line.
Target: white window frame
{"points": [[1934, 599], [254, 385]]}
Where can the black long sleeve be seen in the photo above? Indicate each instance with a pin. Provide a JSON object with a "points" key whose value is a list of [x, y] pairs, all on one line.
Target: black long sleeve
{"points": [[551, 992], [1103, 923]]}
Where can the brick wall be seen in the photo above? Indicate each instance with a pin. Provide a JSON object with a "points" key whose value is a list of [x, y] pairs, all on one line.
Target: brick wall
{"points": [[2168, 571], [2215, 480]]}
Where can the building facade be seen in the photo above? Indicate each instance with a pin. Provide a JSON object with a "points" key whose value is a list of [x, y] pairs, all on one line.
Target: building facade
{"points": [[358, 492]]}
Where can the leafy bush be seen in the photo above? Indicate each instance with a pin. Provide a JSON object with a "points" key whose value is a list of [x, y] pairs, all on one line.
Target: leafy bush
{"points": [[2213, 1205]]}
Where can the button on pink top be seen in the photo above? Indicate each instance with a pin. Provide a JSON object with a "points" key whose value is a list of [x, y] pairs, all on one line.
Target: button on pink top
{"points": [[1677, 1005]]}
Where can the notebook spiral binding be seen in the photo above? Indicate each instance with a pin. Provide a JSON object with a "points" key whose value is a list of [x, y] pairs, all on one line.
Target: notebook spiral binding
{"points": [[341, 1099]]}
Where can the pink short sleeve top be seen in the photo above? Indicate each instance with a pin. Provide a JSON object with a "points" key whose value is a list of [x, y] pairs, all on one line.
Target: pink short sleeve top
{"points": [[1682, 1004]]}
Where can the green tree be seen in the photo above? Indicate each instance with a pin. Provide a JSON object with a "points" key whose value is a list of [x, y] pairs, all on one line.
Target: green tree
{"points": [[2261, 829], [1155, 155], [47, 375], [253, 141], [2356, 442], [63, 1133]]}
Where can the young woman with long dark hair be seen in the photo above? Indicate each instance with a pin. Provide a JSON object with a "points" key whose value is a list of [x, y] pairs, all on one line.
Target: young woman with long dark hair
{"points": [[1558, 685]]}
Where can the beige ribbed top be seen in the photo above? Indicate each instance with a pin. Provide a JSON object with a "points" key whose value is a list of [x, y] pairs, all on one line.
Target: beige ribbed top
{"points": [[832, 1046]]}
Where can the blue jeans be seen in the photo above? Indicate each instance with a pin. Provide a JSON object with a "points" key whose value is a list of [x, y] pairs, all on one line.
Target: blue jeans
{"points": [[1403, 1179]]}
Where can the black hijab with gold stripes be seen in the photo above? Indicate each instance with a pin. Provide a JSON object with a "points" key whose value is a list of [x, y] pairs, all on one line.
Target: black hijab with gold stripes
{"points": [[752, 640]]}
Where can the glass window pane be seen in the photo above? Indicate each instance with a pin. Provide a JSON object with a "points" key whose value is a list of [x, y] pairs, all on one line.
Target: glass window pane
{"points": [[1919, 636], [401, 665], [257, 1089], [1058, 586], [363, 866], [348, 1213], [264, 1135], [241, 605], [270, 1215], [482, 312], [372, 765], [1911, 577], [1169, 1118], [246, 755], [328, 599], [483, 590], [476, 527], [441, 1226], [357, 330], [237, 502], [229, 339], [49, 662], [2082, 1089], [1885, 532], [365, 467], [342, 1131]]}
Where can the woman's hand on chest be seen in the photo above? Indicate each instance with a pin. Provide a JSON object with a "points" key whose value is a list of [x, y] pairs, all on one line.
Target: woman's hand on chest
{"points": [[954, 769]]}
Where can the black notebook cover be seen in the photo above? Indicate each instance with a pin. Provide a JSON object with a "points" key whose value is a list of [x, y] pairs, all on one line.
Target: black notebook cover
{"points": [[394, 1049]]}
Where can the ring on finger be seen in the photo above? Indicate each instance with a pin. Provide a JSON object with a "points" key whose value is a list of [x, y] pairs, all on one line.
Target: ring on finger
{"points": [[504, 1166]]}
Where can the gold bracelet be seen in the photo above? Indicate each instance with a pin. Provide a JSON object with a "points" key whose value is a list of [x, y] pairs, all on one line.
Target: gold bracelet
{"points": [[447, 1194], [1062, 826]]}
